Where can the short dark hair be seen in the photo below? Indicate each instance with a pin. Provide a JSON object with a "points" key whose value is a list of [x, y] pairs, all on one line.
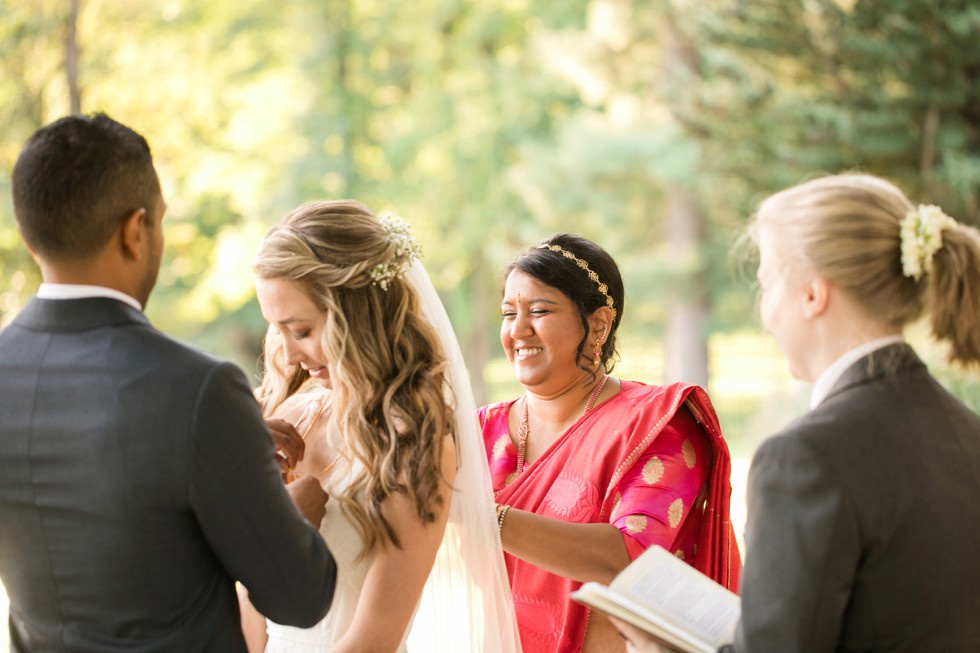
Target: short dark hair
{"points": [[558, 271], [76, 179]]}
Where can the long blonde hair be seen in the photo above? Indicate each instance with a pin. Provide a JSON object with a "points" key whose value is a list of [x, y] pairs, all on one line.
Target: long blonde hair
{"points": [[846, 228], [387, 368]]}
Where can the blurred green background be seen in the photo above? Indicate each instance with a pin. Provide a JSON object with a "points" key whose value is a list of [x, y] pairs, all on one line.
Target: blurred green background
{"points": [[650, 126]]}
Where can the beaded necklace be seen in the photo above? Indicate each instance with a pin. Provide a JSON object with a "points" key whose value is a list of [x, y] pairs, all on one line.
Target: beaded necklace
{"points": [[524, 429]]}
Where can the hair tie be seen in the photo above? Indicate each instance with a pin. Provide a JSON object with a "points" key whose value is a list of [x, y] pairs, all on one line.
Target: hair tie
{"points": [[921, 237]]}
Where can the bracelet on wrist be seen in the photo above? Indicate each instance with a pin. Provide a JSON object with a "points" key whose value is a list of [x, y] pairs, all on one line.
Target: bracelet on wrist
{"points": [[501, 514]]}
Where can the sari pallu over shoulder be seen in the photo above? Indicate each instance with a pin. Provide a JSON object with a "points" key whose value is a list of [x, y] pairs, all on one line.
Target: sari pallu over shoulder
{"points": [[576, 480]]}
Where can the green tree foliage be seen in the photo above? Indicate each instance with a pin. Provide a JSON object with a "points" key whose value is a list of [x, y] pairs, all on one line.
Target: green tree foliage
{"points": [[490, 125], [205, 83], [790, 89], [799, 87], [29, 69], [254, 107], [421, 109]]}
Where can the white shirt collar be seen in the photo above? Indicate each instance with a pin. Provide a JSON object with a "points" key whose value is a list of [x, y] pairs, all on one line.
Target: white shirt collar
{"points": [[832, 374], [79, 291]]}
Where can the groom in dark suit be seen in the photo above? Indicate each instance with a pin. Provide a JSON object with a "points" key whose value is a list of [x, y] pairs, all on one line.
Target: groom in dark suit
{"points": [[137, 477]]}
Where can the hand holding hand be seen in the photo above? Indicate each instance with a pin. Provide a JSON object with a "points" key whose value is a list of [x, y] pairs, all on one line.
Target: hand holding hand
{"points": [[309, 498], [289, 443]]}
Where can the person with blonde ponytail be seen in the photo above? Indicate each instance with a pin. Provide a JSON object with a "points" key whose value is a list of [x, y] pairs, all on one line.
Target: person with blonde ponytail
{"points": [[360, 357], [863, 519]]}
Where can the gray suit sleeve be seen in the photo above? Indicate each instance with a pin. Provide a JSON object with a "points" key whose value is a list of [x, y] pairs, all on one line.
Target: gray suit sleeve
{"points": [[246, 514], [802, 551]]}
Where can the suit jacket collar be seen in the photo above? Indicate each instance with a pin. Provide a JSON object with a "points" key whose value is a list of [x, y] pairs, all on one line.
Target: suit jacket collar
{"points": [[887, 361], [77, 314]]}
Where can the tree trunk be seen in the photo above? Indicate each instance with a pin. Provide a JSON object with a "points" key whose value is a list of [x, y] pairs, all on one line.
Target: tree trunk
{"points": [[476, 348], [71, 58], [688, 307], [686, 346]]}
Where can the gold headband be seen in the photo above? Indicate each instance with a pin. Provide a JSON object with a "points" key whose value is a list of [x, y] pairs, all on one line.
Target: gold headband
{"points": [[603, 288]]}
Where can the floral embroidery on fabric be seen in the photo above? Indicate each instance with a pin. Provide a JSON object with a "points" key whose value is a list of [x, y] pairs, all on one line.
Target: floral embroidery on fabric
{"points": [[500, 446], [675, 513], [636, 524], [538, 619], [653, 471], [569, 496], [690, 456]]}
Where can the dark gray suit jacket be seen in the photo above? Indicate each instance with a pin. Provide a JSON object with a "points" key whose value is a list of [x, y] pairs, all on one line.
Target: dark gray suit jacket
{"points": [[863, 528], [137, 482]]}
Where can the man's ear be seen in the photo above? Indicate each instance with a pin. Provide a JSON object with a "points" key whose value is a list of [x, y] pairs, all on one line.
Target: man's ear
{"points": [[132, 234], [816, 297]]}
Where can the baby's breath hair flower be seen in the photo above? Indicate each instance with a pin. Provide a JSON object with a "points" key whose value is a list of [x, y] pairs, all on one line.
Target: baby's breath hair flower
{"points": [[922, 237], [407, 250]]}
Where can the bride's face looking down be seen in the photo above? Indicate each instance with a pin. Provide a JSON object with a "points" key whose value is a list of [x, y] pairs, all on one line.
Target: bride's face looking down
{"points": [[299, 323]]}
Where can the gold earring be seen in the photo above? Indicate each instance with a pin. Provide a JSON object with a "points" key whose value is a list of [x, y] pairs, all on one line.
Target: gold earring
{"points": [[597, 347]]}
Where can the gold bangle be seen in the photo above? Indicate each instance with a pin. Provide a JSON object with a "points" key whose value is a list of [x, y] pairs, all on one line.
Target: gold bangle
{"points": [[501, 513]]}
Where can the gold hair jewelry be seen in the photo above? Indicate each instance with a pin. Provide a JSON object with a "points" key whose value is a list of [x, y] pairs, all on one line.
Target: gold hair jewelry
{"points": [[603, 288], [525, 429]]}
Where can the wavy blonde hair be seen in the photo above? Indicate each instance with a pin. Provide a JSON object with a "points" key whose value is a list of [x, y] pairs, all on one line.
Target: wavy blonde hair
{"points": [[846, 228], [386, 365]]}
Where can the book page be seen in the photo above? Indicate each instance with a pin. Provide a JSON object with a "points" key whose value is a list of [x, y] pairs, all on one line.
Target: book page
{"points": [[608, 601], [666, 585]]}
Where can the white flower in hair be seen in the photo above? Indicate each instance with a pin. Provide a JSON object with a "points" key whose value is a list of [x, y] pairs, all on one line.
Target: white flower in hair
{"points": [[922, 237], [407, 249]]}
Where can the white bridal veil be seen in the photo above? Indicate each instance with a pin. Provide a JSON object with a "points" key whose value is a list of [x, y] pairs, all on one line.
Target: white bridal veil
{"points": [[466, 604]]}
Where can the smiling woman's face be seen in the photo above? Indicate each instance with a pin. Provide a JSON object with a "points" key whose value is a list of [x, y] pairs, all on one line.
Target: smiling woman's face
{"points": [[287, 307], [540, 332]]}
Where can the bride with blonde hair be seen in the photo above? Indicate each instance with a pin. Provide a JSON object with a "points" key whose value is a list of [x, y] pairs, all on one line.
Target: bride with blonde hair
{"points": [[361, 357]]}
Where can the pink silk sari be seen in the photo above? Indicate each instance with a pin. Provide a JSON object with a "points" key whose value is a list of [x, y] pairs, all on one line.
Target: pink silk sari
{"points": [[609, 467]]}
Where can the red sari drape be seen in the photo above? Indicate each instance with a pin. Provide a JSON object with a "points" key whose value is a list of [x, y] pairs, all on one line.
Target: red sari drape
{"points": [[577, 479]]}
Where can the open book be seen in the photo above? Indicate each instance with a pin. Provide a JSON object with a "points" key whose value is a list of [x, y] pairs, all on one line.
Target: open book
{"points": [[664, 596]]}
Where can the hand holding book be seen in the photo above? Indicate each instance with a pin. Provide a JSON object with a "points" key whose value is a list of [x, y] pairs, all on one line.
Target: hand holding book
{"points": [[638, 641], [663, 596]]}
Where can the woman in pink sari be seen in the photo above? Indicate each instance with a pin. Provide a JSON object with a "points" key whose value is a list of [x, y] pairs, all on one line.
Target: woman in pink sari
{"points": [[589, 470]]}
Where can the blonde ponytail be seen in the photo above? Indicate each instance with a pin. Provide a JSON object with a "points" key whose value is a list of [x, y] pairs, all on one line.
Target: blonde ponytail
{"points": [[953, 293]]}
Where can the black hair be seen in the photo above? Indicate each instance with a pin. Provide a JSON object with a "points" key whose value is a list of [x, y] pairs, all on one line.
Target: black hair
{"points": [[564, 274], [76, 179]]}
